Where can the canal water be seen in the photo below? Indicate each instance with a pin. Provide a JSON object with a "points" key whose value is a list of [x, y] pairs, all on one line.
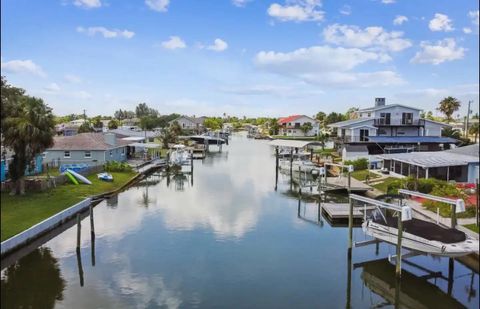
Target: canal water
{"points": [[224, 238]]}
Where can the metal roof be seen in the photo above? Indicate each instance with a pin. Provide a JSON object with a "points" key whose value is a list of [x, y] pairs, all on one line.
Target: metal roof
{"points": [[412, 139], [145, 145], [292, 143], [375, 108], [349, 122], [431, 158]]}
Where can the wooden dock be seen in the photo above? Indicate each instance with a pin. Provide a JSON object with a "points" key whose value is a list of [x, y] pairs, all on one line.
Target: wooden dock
{"points": [[337, 211]]}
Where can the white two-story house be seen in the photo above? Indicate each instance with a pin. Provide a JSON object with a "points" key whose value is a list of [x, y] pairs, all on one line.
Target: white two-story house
{"points": [[389, 129], [292, 126]]}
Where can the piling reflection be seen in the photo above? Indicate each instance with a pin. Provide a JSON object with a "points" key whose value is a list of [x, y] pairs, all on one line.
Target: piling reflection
{"points": [[22, 290], [411, 292]]}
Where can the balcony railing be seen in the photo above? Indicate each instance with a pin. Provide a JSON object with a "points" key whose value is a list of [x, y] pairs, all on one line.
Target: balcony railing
{"points": [[403, 122]]}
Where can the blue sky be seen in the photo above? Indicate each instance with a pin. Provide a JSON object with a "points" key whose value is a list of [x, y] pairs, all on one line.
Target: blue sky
{"points": [[241, 57]]}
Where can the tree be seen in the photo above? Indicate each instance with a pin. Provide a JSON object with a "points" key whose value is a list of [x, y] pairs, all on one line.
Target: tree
{"points": [[175, 128], [274, 126], [474, 130], [306, 127], [334, 117], [449, 132], [142, 110], [320, 116], [112, 124], [85, 128], [448, 106], [9, 96], [97, 122], [213, 123], [323, 138], [28, 130], [351, 113]]}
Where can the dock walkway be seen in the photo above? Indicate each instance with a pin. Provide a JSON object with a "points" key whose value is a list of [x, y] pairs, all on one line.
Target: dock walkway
{"points": [[341, 210]]}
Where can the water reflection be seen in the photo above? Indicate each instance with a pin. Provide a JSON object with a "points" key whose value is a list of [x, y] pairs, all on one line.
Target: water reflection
{"points": [[35, 281]]}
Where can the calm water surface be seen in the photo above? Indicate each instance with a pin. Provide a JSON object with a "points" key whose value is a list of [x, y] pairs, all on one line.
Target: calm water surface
{"points": [[223, 239]]}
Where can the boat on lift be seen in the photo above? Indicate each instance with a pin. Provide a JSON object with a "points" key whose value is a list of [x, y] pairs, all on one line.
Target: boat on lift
{"points": [[299, 165], [421, 236], [180, 156]]}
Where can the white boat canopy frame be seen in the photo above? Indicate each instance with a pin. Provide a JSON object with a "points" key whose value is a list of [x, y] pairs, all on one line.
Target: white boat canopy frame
{"points": [[293, 143]]}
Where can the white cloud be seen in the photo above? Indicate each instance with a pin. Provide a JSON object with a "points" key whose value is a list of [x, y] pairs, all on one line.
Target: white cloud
{"points": [[89, 4], [107, 33], [158, 5], [240, 3], [218, 45], [327, 66], [444, 50], [346, 10], [467, 30], [474, 15], [353, 36], [388, 1], [297, 10], [52, 88], [71, 78], [400, 19], [441, 22], [22, 66], [173, 43]]}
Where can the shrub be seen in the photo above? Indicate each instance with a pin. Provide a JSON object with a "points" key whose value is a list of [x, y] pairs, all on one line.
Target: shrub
{"points": [[115, 166], [359, 164]]}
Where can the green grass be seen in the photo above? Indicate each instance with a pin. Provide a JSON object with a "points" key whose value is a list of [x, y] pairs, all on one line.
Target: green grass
{"points": [[360, 175], [445, 210], [383, 186], [472, 227], [18, 213]]}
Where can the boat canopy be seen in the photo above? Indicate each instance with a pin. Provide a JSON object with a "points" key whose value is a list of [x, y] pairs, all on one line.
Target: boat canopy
{"points": [[293, 143], [145, 145]]}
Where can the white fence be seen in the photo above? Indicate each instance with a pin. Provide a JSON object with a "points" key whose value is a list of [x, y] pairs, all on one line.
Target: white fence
{"points": [[42, 227]]}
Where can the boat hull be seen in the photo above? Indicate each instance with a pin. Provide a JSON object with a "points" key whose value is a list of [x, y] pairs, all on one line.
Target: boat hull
{"points": [[415, 243]]}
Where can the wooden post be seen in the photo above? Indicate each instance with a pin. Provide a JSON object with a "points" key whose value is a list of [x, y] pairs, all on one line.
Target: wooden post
{"points": [[79, 227], [349, 278], [191, 161], [350, 225], [398, 267], [454, 216], [299, 200], [291, 162], [92, 226], [311, 154], [92, 238], [80, 267], [276, 167], [349, 181], [450, 276]]}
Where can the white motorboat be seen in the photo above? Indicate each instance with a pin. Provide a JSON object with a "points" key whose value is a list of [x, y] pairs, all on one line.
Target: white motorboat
{"points": [[422, 236], [302, 165], [180, 156]]}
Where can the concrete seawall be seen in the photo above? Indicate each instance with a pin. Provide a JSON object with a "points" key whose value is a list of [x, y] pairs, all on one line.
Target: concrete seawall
{"points": [[43, 227]]}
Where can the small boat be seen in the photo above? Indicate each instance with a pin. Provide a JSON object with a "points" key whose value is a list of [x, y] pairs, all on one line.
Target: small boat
{"points": [[72, 178], [105, 176], [180, 156], [302, 165], [422, 236]]}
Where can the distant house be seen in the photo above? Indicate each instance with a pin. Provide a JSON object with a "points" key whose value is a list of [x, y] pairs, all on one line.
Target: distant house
{"points": [[89, 148], [190, 123], [460, 164], [135, 135], [130, 122], [291, 126], [391, 128]]}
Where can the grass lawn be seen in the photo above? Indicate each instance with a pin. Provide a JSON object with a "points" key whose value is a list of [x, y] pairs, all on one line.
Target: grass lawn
{"points": [[360, 175], [472, 227], [382, 186], [445, 210], [21, 212]]}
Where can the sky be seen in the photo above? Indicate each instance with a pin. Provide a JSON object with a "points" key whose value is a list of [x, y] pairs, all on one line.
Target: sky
{"points": [[241, 57]]}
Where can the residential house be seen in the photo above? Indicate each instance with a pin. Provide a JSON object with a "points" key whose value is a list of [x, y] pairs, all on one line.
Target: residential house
{"points": [[459, 164], [89, 148], [292, 126], [391, 128], [190, 123]]}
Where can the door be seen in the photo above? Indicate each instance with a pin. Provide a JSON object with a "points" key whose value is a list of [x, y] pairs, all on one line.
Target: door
{"points": [[363, 135]]}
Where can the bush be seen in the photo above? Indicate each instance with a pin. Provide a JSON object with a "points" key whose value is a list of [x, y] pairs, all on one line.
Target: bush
{"points": [[115, 166], [359, 164]]}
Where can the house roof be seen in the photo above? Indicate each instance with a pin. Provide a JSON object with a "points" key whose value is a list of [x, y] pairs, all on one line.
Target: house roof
{"points": [[375, 108], [132, 133], [436, 158], [85, 141], [356, 148], [283, 120], [438, 122], [197, 120], [470, 150], [350, 122], [412, 139]]}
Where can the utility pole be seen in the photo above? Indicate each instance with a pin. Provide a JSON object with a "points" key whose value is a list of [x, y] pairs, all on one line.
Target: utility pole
{"points": [[468, 116]]}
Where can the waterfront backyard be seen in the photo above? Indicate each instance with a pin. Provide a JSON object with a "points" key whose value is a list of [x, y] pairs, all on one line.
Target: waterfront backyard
{"points": [[222, 237]]}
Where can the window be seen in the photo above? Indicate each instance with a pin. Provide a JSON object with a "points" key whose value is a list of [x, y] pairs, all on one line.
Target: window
{"points": [[44, 155], [384, 118], [66, 154], [88, 154], [407, 118], [111, 153], [297, 124], [369, 114], [123, 151], [381, 132]]}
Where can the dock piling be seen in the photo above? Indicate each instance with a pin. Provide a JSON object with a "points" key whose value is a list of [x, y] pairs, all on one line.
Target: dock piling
{"points": [[291, 163], [398, 266], [92, 225], [79, 227], [350, 225]]}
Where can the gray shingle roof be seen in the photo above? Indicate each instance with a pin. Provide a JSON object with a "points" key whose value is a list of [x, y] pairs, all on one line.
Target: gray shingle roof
{"points": [[85, 141]]}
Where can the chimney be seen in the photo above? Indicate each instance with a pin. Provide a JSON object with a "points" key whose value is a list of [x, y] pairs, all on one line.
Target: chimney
{"points": [[379, 102], [110, 138]]}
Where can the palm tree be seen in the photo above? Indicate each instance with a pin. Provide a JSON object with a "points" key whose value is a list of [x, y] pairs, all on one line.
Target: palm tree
{"points": [[448, 106], [449, 132], [307, 126], [473, 130], [323, 138], [28, 130]]}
